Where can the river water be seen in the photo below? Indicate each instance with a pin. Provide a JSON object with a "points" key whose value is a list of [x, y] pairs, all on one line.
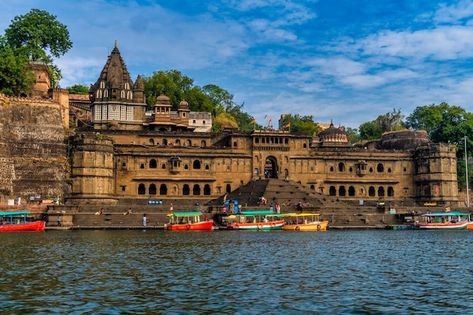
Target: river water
{"points": [[348, 272]]}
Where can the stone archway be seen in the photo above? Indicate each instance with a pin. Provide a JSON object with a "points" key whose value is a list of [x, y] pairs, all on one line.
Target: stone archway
{"points": [[271, 169]]}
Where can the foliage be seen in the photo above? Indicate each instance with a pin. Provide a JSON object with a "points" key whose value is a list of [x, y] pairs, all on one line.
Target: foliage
{"points": [[16, 77], [353, 135], [449, 124], [78, 89], [224, 121], [210, 98], [387, 122], [38, 32], [29, 38], [300, 124]]}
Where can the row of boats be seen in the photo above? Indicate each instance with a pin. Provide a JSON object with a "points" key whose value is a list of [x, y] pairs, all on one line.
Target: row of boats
{"points": [[250, 220], [256, 220]]}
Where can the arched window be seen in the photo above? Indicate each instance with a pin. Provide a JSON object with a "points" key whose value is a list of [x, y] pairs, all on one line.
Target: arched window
{"points": [[207, 190], [189, 143], [165, 141], [178, 142], [380, 168], [185, 190], [141, 189], [341, 191], [351, 191], [196, 190], [122, 94], [256, 140], [235, 144], [102, 84], [163, 189], [332, 191], [152, 189], [331, 168], [304, 145], [186, 167], [142, 165], [127, 86], [153, 163], [196, 165], [390, 191], [163, 166], [312, 187], [286, 141], [389, 170], [203, 144], [371, 191], [151, 141], [341, 167], [229, 188], [207, 167], [381, 191], [371, 170], [105, 93]]}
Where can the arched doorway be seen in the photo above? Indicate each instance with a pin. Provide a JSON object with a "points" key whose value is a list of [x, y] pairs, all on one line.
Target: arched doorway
{"points": [[271, 167]]}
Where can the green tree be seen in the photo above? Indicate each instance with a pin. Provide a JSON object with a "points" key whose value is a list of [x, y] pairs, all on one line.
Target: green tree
{"points": [[353, 135], [224, 121], [300, 124], [387, 122], [16, 77], [38, 32], [34, 37], [448, 124], [78, 89]]}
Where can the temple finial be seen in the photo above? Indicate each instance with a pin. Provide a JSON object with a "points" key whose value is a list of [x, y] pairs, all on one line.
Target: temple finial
{"points": [[116, 43]]}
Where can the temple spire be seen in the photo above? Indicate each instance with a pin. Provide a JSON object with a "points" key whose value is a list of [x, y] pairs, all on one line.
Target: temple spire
{"points": [[116, 44]]}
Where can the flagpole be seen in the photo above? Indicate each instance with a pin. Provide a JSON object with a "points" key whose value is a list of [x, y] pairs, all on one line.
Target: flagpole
{"points": [[466, 177]]}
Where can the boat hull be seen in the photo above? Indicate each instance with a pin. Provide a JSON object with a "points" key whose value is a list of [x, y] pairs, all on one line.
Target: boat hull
{"points": [[309, 227], [200, 226], [261, 226], [37, 226], [444, 226]]}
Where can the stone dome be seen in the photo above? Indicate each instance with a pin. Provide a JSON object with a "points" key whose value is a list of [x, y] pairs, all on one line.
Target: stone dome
{"points": [[163, 100], [183, 105], [333, 134]]}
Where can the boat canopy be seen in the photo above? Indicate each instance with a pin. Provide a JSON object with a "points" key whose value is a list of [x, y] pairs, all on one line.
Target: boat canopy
{"points": [[180, 214], [257, 212], [304, 214], [446, 214], [14, 213]]}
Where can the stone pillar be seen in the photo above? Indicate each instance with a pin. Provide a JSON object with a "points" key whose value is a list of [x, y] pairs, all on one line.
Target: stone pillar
{"points": [[93, 179]]}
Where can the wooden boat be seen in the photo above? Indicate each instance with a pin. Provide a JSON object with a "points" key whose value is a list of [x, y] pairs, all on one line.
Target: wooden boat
{"points": [[255, 220], [17, 221], [454, 220], [304, 222], [188, 221]]}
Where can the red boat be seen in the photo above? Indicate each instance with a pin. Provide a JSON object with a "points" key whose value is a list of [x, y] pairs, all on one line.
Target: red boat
{"points": [[188, 221], [16, 221]]}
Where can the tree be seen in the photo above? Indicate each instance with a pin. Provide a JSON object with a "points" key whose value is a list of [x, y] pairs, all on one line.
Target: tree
{"points": [[39, 32], [224, 121], [449, 124], [353, 135], [16, 77], [78, 89], [374, 129], [300, 124], [31, 37]]}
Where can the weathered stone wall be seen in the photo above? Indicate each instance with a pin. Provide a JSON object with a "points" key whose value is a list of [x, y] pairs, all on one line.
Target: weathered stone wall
{"points": [[32, 150]]}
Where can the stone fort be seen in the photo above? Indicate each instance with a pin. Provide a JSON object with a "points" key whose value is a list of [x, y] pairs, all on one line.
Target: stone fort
{"points": [[123, 153], [130, 153]]}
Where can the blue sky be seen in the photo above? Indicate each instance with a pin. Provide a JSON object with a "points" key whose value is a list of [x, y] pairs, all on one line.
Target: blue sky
{"points": [[345, 60]]}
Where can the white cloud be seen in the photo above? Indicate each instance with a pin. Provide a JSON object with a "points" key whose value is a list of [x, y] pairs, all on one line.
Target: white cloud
{"points": [[454, 13]]}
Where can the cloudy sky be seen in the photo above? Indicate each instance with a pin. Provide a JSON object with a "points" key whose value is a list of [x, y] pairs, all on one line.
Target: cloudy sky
{"points": [[334, 59]]}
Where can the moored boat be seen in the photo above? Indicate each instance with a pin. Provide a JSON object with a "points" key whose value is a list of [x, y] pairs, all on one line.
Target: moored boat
{"points": [[255, 220], [304, 222], [18, 221], [454, 220], [188, 221]]}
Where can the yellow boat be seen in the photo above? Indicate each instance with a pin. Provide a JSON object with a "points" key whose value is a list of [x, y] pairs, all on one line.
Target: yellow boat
{"points": [[304, 222]]}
